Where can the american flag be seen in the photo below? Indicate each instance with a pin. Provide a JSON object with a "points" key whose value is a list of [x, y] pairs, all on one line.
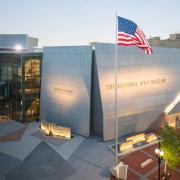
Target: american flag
{"points": [[130, 34]]}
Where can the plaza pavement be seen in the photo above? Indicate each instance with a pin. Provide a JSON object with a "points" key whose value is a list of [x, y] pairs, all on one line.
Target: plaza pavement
{"points": [[25, 154]]}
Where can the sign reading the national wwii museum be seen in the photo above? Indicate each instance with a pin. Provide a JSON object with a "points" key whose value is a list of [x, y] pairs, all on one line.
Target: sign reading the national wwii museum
{"points": [[137, 83]]}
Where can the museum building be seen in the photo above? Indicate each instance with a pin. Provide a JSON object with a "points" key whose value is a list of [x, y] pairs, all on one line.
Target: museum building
{"points": [[78, 91], [20, 72], [77, 88]]}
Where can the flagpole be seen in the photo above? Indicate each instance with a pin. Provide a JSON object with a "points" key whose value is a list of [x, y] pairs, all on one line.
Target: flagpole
{"points": [[116, 119]]}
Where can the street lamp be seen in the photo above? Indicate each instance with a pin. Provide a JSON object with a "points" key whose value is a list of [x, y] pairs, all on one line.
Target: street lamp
{"points": [[159, 155]]}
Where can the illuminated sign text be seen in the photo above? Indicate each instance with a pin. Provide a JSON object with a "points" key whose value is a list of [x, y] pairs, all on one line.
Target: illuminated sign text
{"points": [[137, 83]]}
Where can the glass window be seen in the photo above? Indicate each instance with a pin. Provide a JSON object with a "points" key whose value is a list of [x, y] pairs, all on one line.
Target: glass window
{"points": [[22, 88]]}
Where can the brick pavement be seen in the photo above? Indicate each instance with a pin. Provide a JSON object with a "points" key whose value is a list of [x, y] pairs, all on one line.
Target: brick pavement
{"points": [[133, 160]]}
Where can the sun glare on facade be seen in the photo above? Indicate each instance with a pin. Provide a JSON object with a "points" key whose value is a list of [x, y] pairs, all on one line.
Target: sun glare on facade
{"points": [[172, 105]]}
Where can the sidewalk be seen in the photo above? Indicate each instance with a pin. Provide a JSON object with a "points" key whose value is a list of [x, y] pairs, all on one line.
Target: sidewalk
{"points": [[25, 154]]}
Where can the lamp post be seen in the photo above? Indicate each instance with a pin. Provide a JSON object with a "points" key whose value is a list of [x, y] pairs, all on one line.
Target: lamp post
{"points": [[159, 155]]}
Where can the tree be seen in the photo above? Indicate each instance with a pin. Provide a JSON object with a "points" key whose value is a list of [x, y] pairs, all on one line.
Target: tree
{"points": [[170, 144]]}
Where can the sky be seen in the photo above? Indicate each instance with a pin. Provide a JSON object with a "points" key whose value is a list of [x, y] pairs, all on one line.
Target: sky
{"points": [[78, 22]]}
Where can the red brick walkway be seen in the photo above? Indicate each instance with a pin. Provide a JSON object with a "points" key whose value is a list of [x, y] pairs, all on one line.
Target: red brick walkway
{"points": [[135, 172]]}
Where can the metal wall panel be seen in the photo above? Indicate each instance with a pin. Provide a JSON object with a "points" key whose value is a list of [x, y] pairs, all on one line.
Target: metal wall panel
{"points": [[146, 85], [66, 87], [11, 40]]}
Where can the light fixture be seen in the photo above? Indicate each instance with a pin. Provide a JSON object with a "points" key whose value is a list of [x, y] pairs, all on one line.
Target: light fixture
{"points": [[157, 151], [18, 47], [159, 155]]}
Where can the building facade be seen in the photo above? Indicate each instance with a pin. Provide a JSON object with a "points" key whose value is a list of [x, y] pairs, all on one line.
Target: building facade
{"points": [[77, 87], [172, 42], [66, 87], [20, 75], [147, 84], [73, 86], [22, 40]]}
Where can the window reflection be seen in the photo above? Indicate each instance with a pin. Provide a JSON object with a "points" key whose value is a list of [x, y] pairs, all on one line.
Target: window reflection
{"points": [[20, 85]]}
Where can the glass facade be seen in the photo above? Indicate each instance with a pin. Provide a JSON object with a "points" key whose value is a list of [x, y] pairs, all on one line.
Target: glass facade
{"points": [[4, 106], [20, 76]]}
